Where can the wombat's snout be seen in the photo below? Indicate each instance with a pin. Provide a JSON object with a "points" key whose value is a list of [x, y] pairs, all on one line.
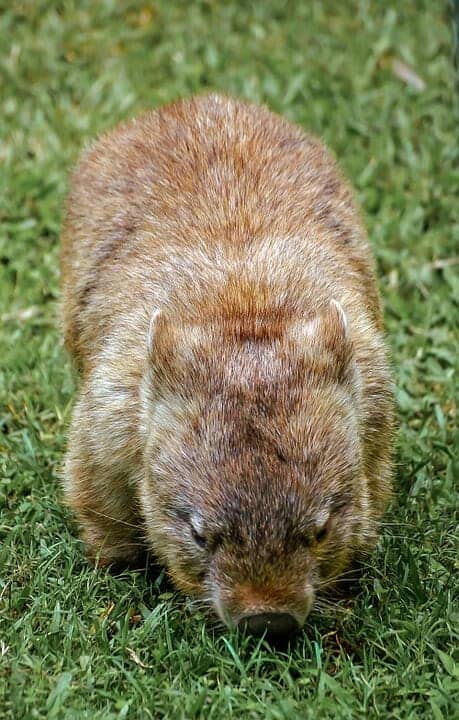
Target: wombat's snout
{"points": [[276, 625]]}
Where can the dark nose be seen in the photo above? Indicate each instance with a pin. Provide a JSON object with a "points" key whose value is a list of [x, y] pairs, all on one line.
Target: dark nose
{"points": [[276, 625]]}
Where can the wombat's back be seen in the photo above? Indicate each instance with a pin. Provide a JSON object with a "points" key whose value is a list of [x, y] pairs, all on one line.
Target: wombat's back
{"points": [[167, 203]]}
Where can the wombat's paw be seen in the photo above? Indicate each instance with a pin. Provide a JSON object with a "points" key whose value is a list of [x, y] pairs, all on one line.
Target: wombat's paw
{"points": [[105, 550]]}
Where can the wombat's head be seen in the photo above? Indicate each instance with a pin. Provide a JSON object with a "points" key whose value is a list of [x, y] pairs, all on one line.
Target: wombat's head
{"points": [[255, 497]]}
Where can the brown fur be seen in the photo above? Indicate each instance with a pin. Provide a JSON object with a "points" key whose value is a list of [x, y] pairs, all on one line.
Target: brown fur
{"points": [[220, 301]]}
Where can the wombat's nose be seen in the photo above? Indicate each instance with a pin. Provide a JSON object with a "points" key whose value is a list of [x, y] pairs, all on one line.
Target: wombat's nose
{"points": [[275, 625]]}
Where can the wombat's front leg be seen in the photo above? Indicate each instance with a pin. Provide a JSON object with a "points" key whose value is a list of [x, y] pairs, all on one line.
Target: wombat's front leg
{"points": [[98, 488]]}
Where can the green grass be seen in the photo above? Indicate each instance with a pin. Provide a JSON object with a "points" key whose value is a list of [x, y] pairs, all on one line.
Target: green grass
{"points": [[76, 642]]}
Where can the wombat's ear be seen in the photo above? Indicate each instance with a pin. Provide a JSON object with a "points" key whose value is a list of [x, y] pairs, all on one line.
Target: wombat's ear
{"points": [[325, 341], [162, 345], [153, 330], [170, 347], [161, 339]]}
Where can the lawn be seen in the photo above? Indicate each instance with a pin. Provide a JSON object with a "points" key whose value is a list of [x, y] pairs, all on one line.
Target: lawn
{"points": [[76, 642]]}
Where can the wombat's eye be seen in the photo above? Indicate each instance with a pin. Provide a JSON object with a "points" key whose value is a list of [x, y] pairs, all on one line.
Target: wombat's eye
{"points": [[199, 539], [322, 533], [323, 530]]}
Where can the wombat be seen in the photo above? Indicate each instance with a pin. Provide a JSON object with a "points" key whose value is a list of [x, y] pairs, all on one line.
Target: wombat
{"points": [[235, 415]]}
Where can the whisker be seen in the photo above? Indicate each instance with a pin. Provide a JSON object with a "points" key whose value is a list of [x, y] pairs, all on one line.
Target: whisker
{"points": [[333, 608], [196, 605], [345, 576], [117, 520]]}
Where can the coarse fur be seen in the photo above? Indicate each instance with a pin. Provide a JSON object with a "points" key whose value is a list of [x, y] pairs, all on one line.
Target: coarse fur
{"points": [[235, 412]]}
